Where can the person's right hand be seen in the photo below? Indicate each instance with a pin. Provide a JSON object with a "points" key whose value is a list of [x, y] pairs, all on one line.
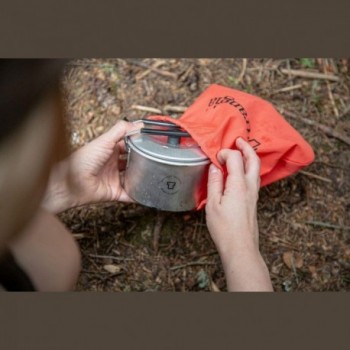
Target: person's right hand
{"points": [[91, 174], [231, 213]]}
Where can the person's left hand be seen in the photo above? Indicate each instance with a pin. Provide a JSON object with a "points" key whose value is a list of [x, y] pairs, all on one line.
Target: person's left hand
{"points": [[91, 174]]}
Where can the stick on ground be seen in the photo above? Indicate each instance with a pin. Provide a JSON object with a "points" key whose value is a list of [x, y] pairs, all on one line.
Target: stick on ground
{"points": [[318, 177], [194, 263], [326, 129], [327, 225], [310, 75], [147, 109]]}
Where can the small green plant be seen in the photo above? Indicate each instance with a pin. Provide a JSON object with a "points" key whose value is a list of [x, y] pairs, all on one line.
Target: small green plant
{"points": [[232, 80], [202, 279], [109, 69], [307, 62]]}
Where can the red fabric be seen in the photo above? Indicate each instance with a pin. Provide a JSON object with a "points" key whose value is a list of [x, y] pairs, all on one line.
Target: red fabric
{"points": [[220, 115]]}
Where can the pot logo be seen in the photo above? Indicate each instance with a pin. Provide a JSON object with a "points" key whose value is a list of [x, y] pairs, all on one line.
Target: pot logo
{"points": [[170, 184]]}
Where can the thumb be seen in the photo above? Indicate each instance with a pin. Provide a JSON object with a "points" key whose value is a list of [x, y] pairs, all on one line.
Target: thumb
{"points": [[119, 130]]}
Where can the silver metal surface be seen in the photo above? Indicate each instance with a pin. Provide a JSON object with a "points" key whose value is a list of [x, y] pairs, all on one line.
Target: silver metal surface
{"points": [[171, 184]]}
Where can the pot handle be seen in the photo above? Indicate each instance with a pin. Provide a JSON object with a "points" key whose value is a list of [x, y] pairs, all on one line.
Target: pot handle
{"points": [[130, 133], [174, 136], [159, 123], [174, 132]]}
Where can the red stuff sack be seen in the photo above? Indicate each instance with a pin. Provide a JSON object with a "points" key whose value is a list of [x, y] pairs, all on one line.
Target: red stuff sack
{"points": [[220, 115]]}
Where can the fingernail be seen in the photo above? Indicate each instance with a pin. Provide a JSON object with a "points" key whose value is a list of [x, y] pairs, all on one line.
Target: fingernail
{"points": [[239, 140], [213, 168]]}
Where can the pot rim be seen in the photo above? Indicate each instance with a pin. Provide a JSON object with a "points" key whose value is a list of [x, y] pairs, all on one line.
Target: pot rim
{"points": [[130, 145]]}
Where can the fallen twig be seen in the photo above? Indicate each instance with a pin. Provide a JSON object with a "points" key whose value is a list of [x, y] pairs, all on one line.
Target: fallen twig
{"points": [[185, 75], [327, 225], [194, 263], [214, 287], [176, 109], [315, 176], [329, 90], [148, 71], [244, 68], [78, 235], [161, 216], [288, 88], [326, 129], [99, 273], [212, 252], [310, 75], [131, 228], [345, 112], [80, 97], [110, 257], [147, 109], [155, 70], [331, 97]]}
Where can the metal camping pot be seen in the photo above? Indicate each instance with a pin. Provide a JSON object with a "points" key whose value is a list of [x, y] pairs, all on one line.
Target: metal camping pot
{"points": [[165, 168]]}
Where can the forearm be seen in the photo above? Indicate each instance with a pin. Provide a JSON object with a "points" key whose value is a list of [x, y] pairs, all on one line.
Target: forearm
{"points": [[246, 271], [58, 196], [48, 253]]}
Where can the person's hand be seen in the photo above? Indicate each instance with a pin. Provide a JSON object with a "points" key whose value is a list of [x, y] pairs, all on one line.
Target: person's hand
{"points": [[231, 213], [231, 207], [92, 173]]}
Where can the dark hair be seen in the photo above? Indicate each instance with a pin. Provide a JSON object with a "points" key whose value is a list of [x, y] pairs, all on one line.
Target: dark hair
{"points": [[23, 82]]}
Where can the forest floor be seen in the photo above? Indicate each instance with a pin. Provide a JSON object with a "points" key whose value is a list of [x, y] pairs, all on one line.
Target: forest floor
{"points": [[304, 219]]}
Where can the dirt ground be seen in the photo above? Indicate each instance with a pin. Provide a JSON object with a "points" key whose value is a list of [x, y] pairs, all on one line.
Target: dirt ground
{"points": [[304, 219]]}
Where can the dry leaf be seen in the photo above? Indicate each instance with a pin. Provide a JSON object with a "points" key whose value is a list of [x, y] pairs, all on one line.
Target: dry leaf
{"points": [[214, 287], [112, 268], [204, 61], [293, 260], [347, 253], [101, 75], [276, 268], [313, 271], [100, 129], [115, 110], [187, 217]]}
